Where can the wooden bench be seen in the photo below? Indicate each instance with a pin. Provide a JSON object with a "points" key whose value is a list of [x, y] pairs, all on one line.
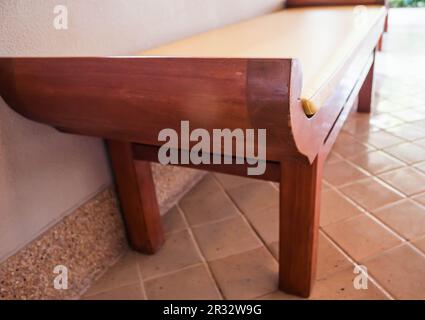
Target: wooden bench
{"points": [[296, 73]]}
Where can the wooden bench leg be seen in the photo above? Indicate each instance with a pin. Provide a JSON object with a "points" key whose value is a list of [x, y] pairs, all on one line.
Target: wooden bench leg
{"points": [[379, 46], [366, 92], [386, 23], [300, 187], [137, 195]]}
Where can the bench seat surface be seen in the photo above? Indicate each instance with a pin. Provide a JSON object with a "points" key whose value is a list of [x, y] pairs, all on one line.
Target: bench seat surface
{"points": [[321, 38]]}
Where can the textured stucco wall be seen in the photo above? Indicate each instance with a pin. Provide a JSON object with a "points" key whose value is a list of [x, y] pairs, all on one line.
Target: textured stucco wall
{"points": [[45, 174]]}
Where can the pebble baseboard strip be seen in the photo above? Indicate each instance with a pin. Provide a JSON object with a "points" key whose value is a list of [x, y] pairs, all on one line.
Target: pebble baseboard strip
{"points": [[87, 241]]}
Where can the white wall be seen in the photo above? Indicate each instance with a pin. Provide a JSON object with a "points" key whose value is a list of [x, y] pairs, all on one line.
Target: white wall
{"points": [[45, 174]]}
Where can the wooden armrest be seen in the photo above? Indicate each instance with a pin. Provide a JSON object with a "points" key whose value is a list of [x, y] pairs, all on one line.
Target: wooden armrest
{"points": [[307, 3]]}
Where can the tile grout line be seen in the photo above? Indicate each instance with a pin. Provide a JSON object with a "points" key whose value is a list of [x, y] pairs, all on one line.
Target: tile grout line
{"points": [[142, 282], [168, 273], [351, 260], [261, 243], [204, 224], [261, 240], [198, 249], [369, 214], [345, 254], [355, 263], [82, 293]]}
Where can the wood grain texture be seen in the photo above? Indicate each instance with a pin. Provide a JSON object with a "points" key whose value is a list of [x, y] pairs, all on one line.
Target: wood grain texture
{"points": [[138, 200], [150, 153], [299, 224], [268, 103], [128, 101], [133, 99]]}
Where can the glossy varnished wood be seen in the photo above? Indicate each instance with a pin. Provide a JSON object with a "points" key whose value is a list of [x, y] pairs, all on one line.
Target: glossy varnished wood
{"points": [[299, 221], [150, 153], [137, 195], [128, 101], [133, 99]]}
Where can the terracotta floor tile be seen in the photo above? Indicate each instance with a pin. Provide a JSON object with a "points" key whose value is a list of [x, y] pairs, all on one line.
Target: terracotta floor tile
{"points": [[420, 244], [207, 185], [339, 173], [266, 223], [333, 157], [350, 147], [335, 207], [361, 237], [401, 271], [130, 292], [255, 196], [420, 198], [346, 137], [409, 115], [358, 124], [279, 295], [129, 258], [407, 152], [177, 252], [224, 238], [325, 186], [188, 284], [376, 162], [406, 218], [340, 286], [409, 101], [172, 221], [229, 181], [330, 259], [380, 139], [383, 106], [407, 131], [421, 166], [384, 121], [209, 203], [335, 286], [246, 275], [117, 276], [407, 180], [274, 249], [370, 194]]}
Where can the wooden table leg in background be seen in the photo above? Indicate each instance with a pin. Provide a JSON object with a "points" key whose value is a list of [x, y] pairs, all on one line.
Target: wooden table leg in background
{"points": [[366, 92], [137, 196]]}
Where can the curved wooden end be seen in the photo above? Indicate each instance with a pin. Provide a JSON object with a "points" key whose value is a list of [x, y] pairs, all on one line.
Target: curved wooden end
{"points": [[268, 102], [7, 82]]}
